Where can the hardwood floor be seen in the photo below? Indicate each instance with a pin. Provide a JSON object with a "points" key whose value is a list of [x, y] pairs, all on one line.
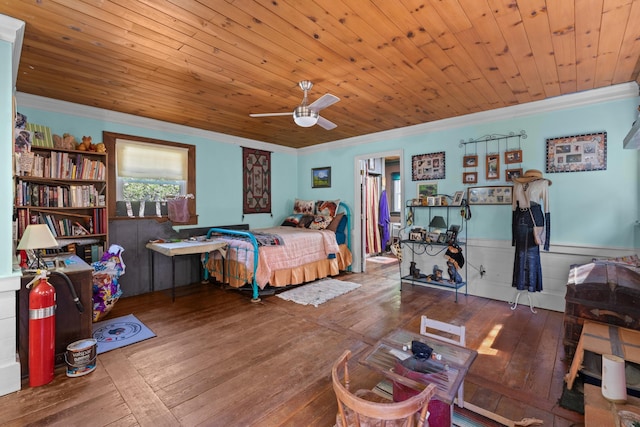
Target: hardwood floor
{"points": [[220, 360]]}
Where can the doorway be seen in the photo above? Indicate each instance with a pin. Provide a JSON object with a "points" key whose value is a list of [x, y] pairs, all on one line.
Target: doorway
{"points": [[362, 215]]}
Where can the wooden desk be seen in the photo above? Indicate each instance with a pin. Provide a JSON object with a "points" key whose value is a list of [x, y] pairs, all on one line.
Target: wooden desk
{"points": [[457, 359], [604, 339], [185, 247], [599, 412]]}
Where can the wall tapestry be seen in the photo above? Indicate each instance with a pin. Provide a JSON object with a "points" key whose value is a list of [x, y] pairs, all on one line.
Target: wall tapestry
{"points": [[428, 166], [256, 184], [578, 153]]}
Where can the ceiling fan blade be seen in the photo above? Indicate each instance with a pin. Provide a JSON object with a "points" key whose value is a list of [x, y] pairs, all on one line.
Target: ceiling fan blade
{"points": [[324, 123], [270, 114], [323, 102]]}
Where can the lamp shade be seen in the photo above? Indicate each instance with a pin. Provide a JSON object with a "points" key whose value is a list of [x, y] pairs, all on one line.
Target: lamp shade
{"points": [[437, 222], [37, 236]]}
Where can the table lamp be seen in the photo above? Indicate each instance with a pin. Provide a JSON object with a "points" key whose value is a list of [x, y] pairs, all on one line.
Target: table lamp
{"points": [[36, 237], [438, 223]]}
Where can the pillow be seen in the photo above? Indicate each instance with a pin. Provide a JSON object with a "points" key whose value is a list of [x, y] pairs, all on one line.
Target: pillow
{"points": [[335, 222], [292, 220], [342, 227], [305, 221], [304, 207], [327, 207], [320, 222]]}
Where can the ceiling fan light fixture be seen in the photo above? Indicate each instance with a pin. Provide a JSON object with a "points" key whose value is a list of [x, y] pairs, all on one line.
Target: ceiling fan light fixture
{"points": [[305, 117]]}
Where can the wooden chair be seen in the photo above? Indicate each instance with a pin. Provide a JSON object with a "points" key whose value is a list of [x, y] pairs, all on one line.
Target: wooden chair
{"points": [[354, 409], [427, 324]]}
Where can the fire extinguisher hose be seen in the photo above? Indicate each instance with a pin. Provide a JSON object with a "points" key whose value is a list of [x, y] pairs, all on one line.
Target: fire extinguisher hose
{"points": [[74, 295]]}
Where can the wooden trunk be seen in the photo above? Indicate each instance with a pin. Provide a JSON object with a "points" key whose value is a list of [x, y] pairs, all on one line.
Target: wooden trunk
{"points": [[604, 292]]}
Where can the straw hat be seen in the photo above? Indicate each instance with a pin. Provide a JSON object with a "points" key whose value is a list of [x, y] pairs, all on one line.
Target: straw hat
{"points": [[530, 175]]}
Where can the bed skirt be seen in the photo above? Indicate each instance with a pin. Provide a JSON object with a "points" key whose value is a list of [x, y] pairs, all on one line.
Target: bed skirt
{"points": [[237, 275]]}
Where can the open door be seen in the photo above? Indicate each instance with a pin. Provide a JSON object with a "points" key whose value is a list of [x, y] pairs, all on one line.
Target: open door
{"points": [[367, 191]]}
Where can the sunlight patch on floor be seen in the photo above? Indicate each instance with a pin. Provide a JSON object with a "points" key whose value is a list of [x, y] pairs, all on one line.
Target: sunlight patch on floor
{"points": [[487, 344]]}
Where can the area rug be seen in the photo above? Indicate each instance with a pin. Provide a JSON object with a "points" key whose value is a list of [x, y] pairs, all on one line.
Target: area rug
{"points": [[382, 259], [318, 292], [464, 418], [119, 332]]}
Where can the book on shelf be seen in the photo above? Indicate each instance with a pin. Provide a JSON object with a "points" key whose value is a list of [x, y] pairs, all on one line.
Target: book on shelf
{"points": [[90, 253], [63, 165], [57, 196]]}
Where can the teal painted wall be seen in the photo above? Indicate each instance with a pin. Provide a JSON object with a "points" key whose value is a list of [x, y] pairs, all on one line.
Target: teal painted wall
{"points": [[218, 168], [598, 208]]}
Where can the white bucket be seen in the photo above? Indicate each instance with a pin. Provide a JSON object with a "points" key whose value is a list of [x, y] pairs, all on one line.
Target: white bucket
{"points": [[81, 357]]}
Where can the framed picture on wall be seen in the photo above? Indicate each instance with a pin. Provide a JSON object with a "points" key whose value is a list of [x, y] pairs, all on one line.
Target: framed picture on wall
{"points": [[493, 166], [577, 153], [426, 189], [512, 156], [509, 174], [428, 166], [321, 177], [470, 177], [490, 195], [470, 161]]}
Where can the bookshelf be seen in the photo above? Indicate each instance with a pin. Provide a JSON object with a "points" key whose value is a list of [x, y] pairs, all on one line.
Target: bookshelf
{"points": [[65, 189]]}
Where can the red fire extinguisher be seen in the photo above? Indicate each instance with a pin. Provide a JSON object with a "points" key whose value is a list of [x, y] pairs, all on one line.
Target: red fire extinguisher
{"points": [[42, 330]]}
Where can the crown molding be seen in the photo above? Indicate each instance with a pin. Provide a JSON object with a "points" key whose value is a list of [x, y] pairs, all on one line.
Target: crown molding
{"points": [[574, 100], [12, 31], [88, 112]]}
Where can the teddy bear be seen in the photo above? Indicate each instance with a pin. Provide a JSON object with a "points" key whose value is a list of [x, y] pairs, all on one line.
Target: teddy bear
{"points": [[64, 142], [86, 144]]}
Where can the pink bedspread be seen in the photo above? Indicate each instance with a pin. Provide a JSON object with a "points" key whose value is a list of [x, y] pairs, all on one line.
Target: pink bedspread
{"points": [[301, 246]]}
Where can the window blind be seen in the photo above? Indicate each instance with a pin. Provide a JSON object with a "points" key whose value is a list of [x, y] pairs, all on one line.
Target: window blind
{"points": [[140, 160]]}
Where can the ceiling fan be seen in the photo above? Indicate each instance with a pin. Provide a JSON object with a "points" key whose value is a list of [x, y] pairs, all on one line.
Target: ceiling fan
{"points": [[307, 115]]}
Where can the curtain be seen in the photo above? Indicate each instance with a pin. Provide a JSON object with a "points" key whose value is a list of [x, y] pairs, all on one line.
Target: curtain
{"points": [[374, 245]]}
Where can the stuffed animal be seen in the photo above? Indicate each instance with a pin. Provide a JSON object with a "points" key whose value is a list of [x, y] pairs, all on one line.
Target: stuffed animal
{"points": [[64, 142], [86, 144]]}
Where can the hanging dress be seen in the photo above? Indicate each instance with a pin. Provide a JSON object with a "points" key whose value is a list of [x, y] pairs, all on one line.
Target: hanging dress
{"points": [[384, 220], [529, 198]]}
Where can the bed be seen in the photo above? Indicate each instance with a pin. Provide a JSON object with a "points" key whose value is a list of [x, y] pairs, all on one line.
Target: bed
{"points": [[311, 243]]}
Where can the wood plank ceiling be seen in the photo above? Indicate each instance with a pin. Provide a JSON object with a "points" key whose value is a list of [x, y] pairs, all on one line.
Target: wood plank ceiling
{"points": [[393, 63]]}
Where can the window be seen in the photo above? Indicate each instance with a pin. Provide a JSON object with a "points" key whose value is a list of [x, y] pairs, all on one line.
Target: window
{"points": [[144, 172], [397, 192]]}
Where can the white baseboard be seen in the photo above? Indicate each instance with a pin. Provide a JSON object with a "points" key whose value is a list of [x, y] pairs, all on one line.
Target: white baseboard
{"points": [[9, 378], [496, 259]]}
